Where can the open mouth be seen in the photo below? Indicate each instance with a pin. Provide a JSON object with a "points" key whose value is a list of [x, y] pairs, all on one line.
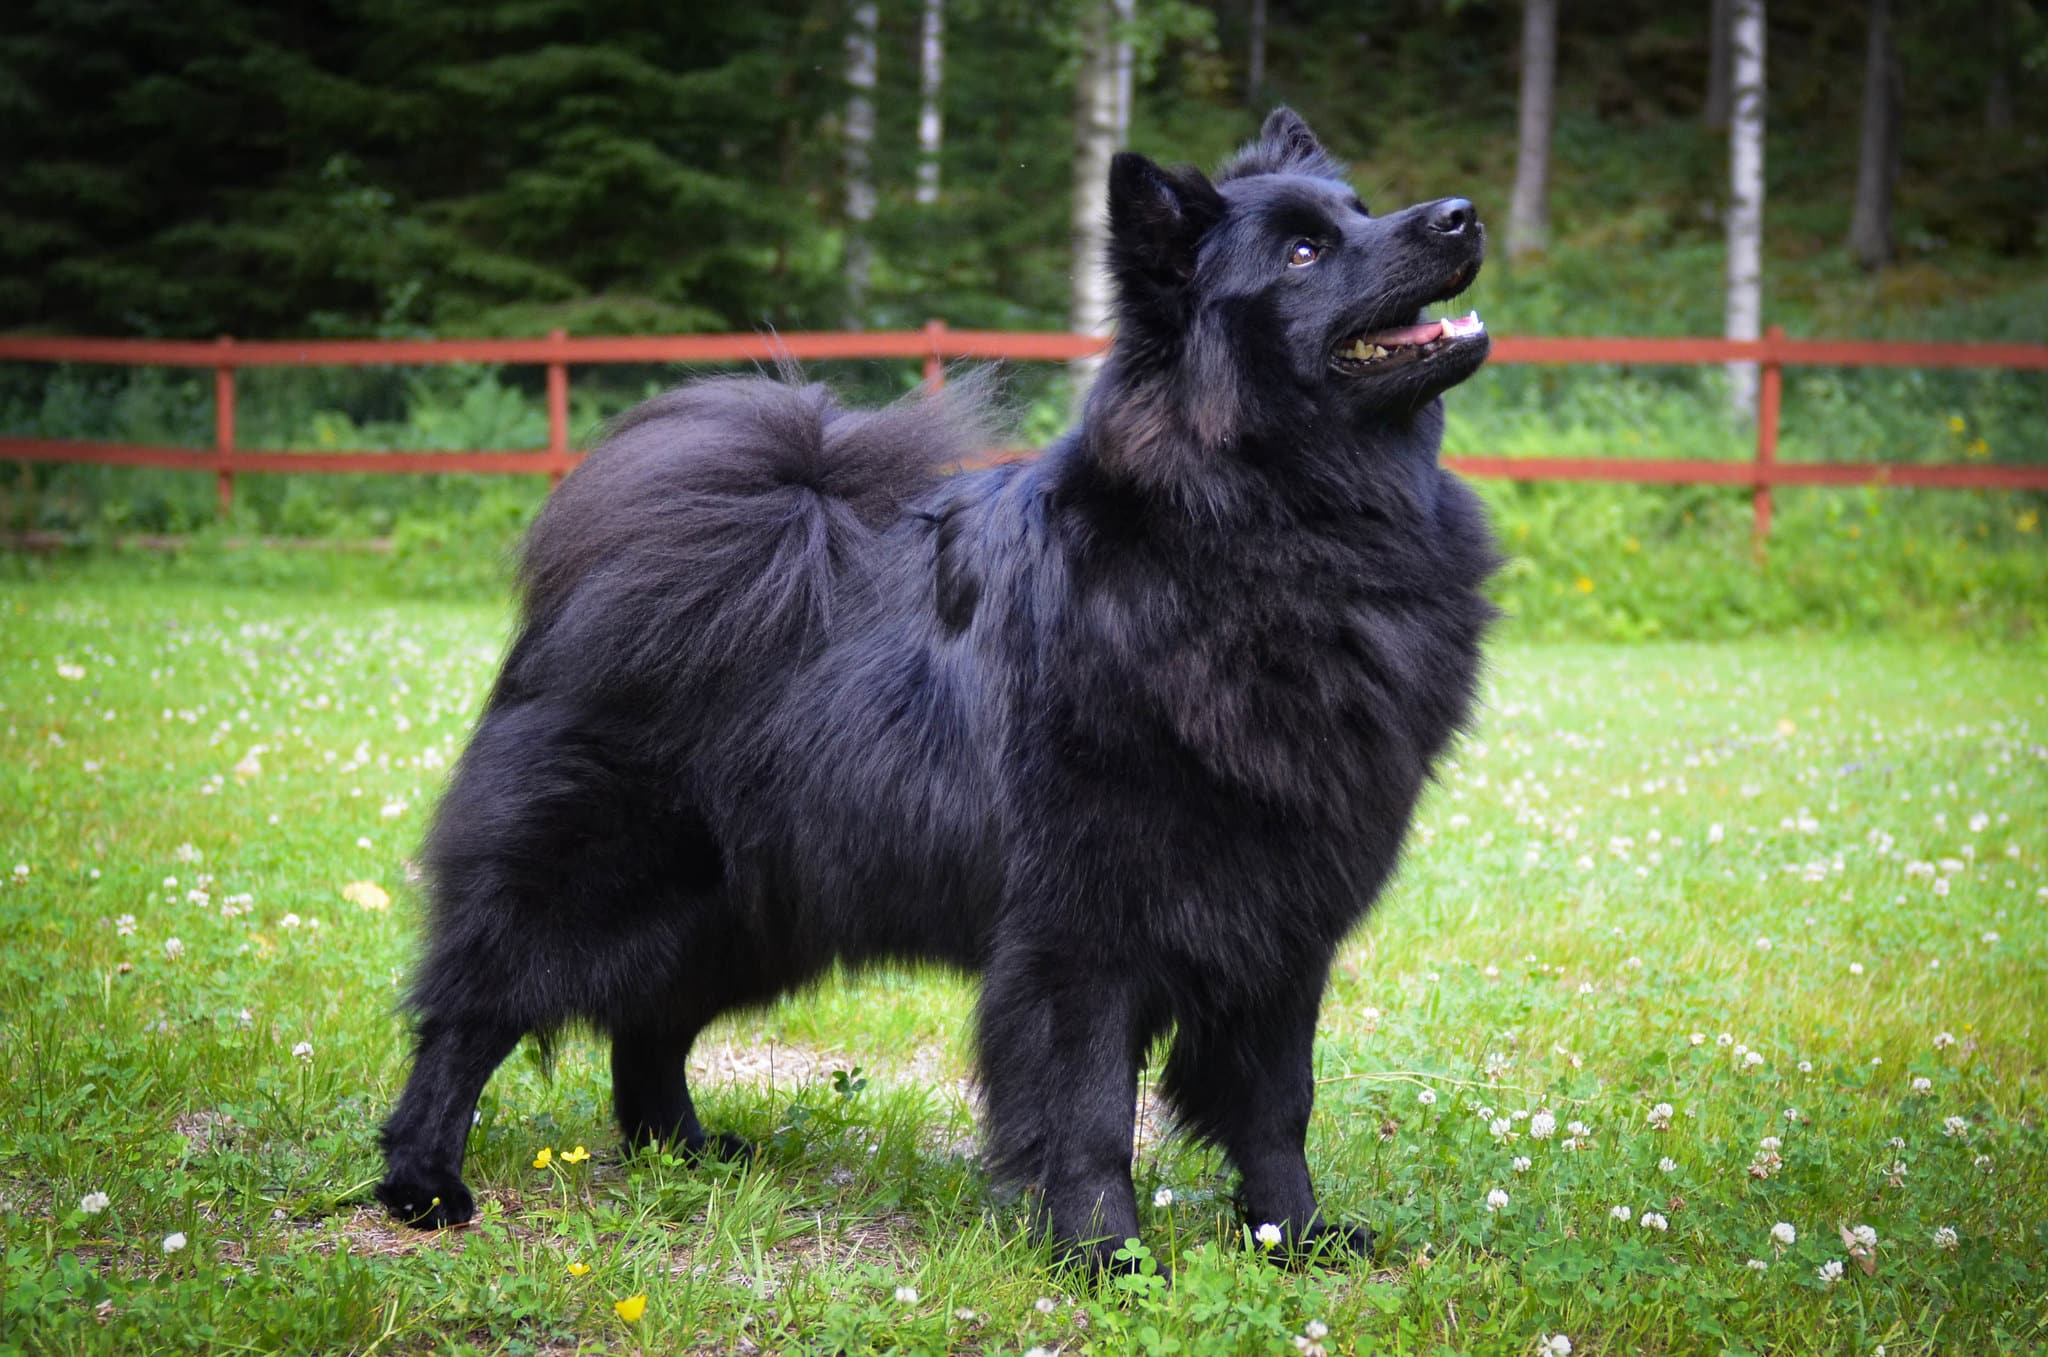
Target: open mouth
{"points": [[1406, 344]]}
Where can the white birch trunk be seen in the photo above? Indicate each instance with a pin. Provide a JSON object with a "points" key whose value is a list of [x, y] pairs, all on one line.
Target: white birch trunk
{"points": [[1746, 194], [1101, 120], [1529, 212], [1870, 225], [931, 122], [859, 147]]}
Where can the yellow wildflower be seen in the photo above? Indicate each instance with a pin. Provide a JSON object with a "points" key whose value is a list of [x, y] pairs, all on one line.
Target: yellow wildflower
{"points": [[578, 1269], [1977, 448], [1956, 424], [367, 894], [1631, 545], [631, 1308], [2027, 521], [1583, 584], [544, 1158], [575, 1156]]}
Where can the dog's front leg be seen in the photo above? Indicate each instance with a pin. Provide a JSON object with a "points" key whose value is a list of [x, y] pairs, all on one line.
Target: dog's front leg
{"points": [[1245, 1081], [1060, 1046]]}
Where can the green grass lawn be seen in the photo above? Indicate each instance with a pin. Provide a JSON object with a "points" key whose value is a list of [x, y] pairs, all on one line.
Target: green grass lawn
{"points": [[1692, 941]]}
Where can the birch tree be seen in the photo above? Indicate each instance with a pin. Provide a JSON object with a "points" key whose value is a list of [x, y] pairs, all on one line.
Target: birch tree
{"points": [[1877, 161], [1529, 212], [859, 152], [931, 123], [1746, 194], [1102, 106]]}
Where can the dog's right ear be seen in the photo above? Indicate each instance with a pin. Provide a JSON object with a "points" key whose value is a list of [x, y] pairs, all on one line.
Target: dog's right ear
{"points": [[1157, 218]]}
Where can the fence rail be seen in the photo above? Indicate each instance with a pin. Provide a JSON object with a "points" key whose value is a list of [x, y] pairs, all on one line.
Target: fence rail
{"points": [[935, 344]]}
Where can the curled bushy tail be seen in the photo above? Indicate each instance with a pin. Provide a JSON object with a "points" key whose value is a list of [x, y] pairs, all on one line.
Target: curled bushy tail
{"points": [[705, 540]]}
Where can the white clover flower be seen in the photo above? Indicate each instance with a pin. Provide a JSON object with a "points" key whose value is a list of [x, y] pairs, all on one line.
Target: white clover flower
{"points": [[1698, 1038], [1163, 1198], [1982, 1163], [1660, 1117], [1667, 1165], [1751, 1059], [92, 1203], [1521, 1163], [304, 1051], [1855, 968], [1771, 1143], [1715, 833], [1757, 1265], [906, 1295], [1864, 1235], [1268, 1235], [1496, 1200], [1654, 1220], [1922, 1084], [1763, 944], [289, 921], [1541, 1126], [174, 1241], [1943, 1040], [1806, 1067], [964, 1315], [125, 926], [1500, 1128], [1044, 1305], [1725, 1039], [1990, 936], [1315, 1330], [1829, 1272], [1946, 1239], [1556, 1345], [173, 948], [1791, 1114], [1784, 1233], [1954, 1127], [1427, 1097], [1622, 1214]]}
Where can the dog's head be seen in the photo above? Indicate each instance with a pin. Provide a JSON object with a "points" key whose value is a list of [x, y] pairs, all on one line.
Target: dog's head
{"points": [[1273, 294]]}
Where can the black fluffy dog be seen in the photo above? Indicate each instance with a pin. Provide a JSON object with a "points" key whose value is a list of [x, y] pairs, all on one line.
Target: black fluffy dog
{"points": [[1134, 731]]}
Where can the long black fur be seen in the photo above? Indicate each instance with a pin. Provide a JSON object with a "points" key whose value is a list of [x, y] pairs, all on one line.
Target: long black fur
{"points": [[1134, 731]]}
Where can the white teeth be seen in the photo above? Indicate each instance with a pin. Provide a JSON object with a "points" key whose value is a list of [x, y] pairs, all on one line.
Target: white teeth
{"points": [[1460, 327]]}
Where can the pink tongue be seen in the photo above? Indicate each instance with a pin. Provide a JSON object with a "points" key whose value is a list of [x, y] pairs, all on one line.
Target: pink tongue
{"points": [[1407, 334]]}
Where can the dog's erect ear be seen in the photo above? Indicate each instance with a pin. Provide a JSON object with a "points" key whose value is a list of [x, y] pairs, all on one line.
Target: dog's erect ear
{"points": [[1157, 218], [1285, 146]]}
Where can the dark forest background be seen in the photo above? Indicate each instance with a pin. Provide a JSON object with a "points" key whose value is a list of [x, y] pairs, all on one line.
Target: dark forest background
{"points": [[382, 167]]}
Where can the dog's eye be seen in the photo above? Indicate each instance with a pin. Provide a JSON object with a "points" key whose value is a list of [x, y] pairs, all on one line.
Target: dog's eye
{"points": [[1303, 253]]}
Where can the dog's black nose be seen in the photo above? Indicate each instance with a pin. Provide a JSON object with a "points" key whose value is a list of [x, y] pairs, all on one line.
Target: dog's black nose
{"points": [[1452, 216]]}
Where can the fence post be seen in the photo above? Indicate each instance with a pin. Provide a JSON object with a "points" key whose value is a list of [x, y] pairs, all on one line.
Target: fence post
{"points": [[224, 427], [934, 366], [1769, 393], [558, 411]]}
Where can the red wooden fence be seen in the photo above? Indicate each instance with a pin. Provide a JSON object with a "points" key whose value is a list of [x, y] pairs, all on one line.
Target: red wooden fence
{"points": [[936, 343]]}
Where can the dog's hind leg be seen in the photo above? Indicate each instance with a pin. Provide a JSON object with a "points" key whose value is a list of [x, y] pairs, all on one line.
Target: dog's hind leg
{"points": [[426, 1135], [651, 1092]]}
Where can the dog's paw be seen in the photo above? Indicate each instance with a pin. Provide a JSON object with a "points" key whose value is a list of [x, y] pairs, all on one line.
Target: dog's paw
{"points": [[722, 1146], [1338, 1242], [427, 1201]]}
